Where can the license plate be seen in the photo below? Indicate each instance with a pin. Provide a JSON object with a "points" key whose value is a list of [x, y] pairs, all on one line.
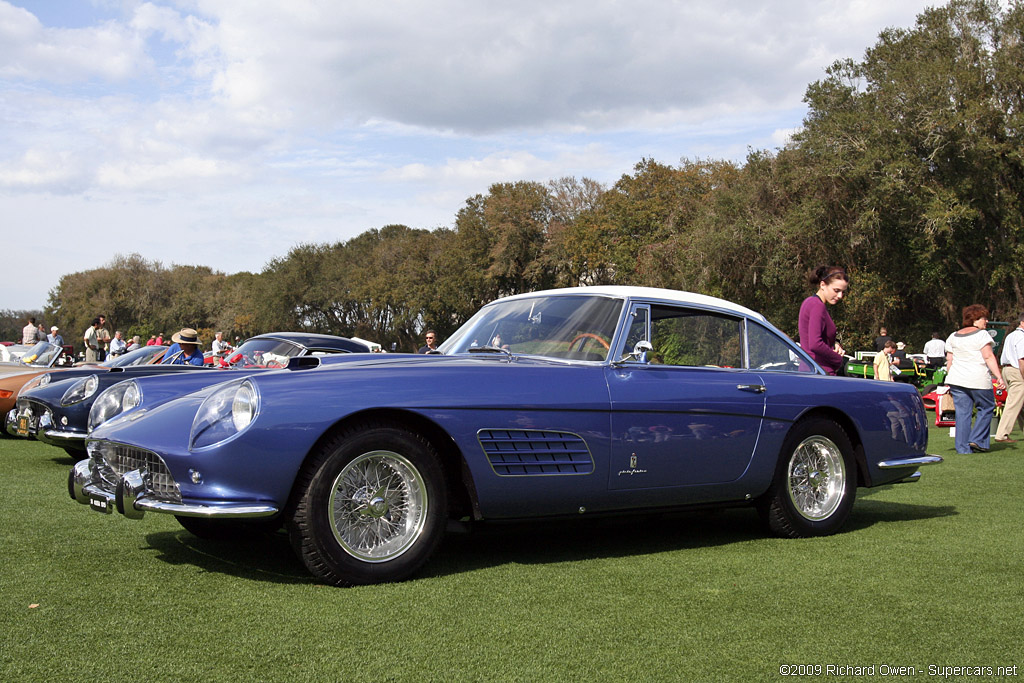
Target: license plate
{"points": [[22, 425], [100, 504]]}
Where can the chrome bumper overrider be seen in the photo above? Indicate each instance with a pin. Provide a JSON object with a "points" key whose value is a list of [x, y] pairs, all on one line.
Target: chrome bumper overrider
{"points": [[132, 498], [917, 461]]}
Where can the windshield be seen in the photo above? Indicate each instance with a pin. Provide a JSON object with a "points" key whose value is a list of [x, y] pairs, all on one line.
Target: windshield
{"points": [[42, 354], [263, 353], [575, 327], [142, 356]]}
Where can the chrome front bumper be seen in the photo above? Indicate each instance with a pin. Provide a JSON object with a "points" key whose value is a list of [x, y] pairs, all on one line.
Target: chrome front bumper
{"points": [[132, 497]]}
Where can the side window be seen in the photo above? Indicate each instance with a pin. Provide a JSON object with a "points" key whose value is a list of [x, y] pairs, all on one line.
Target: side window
{"points": [[769, 352], [682, 336]]}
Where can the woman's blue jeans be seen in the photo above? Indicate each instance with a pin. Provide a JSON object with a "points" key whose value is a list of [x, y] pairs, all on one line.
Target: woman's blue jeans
{"points": [[965, 401]]}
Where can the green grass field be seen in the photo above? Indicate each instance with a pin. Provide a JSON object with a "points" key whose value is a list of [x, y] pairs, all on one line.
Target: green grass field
{"points": [[924, 575]]}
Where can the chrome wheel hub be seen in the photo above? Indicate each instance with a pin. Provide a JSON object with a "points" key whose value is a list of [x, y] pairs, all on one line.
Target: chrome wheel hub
{"points": [[816, 478], [378, 506]]}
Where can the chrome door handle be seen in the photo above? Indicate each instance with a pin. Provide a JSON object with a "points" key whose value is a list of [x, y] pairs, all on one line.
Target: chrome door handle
{"points": [[756, 388]]}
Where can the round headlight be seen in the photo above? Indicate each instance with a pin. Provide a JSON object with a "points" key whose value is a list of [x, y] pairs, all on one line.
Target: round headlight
{"points": [[118, 399], [40, 381], [227, 411], [243, 407], [80, 390]]}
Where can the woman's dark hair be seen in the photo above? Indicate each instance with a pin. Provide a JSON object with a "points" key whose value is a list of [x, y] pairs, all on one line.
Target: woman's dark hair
{"points": [[827, 274], [974, 312]]}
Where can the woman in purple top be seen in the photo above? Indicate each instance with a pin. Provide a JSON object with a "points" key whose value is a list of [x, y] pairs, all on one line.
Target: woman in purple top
{"points": [[817, 331]]}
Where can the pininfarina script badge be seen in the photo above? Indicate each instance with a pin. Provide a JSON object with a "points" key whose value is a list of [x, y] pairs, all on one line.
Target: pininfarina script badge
{"points": [[632, 467]]}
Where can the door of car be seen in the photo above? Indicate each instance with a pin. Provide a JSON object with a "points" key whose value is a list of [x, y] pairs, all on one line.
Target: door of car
{"points": [[685, 412]]}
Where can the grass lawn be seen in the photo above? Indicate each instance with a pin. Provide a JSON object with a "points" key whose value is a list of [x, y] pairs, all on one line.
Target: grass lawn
{"points": [[924, 575]]}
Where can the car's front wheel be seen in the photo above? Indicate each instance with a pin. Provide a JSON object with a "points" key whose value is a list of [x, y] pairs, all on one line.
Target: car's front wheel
{"points": [[815, 481], [371, 506]]}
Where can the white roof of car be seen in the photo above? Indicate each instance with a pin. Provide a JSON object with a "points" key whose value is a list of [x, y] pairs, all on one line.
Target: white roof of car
{"points": [[627, 292]]}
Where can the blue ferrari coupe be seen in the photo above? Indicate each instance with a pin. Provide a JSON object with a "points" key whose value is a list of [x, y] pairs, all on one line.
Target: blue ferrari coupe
{"points": [[579, 401]]}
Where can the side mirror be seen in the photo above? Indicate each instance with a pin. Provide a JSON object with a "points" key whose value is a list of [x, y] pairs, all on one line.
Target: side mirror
{"points": [[639, 353]]}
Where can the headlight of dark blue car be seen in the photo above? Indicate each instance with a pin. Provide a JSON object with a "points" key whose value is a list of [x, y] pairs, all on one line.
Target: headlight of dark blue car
{"points": [[40, 381], [80, 390], [117, 399], [225, 413]]}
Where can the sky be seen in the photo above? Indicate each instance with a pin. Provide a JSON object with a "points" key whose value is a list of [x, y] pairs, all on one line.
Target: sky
{"points": [[223, 133]]}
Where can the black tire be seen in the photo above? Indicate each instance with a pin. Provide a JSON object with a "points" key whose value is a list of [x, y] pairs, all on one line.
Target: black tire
{"points": [[77, 453], [371, 506], [815, 481], [226, 529]]}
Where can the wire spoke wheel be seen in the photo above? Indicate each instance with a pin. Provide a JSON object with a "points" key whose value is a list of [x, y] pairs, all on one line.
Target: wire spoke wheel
{"points": [[815, 481], [377, 506], [817, 478], [371, 507]]}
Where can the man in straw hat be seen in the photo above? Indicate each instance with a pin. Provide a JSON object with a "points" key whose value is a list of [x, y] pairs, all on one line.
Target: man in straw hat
{"points": [[185, 349]]}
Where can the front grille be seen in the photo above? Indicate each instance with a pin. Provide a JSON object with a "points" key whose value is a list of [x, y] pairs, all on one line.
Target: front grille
{"points": [[119, 459], [34, 408], [524, 452]]}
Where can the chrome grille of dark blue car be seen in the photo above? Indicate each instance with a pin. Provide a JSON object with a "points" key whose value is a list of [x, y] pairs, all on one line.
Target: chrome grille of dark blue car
{"points": [[524, 452], [120, 459]]}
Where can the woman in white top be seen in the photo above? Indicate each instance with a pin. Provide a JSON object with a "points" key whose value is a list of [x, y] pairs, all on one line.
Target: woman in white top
{"points": [[970, 366]]}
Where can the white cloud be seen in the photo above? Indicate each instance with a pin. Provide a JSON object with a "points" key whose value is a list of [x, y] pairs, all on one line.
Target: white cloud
{"points": [[314, 120]]}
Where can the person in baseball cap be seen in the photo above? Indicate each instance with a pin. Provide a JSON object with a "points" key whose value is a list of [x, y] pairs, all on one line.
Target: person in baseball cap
{"points": [[55, 338], [185, 349]]}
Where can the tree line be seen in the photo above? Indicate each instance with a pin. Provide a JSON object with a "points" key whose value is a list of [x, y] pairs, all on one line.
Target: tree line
{"points": [[908, 170]]}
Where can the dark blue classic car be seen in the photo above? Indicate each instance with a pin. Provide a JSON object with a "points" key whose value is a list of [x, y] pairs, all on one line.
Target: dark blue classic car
{"points": [[56, 408], [565, 402]]}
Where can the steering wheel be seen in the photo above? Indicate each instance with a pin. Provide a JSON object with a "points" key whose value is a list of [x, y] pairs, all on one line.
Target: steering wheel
{"points": [[589, 335]]}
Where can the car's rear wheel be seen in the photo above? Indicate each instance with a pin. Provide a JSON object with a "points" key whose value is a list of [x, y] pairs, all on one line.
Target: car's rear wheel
{"points": [[371, 506], [815, 481]]}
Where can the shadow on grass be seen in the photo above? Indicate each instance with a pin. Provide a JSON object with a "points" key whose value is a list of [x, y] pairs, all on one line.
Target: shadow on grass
{"points": [[269, 557], [868, 512], [264, 557]]}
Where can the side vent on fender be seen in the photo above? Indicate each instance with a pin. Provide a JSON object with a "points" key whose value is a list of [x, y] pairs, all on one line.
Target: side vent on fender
{"points": [[528, 452]]}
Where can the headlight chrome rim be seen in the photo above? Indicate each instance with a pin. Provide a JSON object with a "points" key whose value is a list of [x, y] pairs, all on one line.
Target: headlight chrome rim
{"points": [[80, 390], [113, 401], [225, 414]]}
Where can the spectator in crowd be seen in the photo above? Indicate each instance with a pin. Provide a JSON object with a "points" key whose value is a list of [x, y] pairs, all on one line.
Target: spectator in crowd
{"points": [[160, 339], [970, 366], [40, 333], [219, 346], [817, 331], [92, 342], [152, 340], [104, 336], [1012, 361], [134, 343], [899, 357], [54, 336], [883, 336], [883, 361], [184, 349], [935, 350], [117, 344], [431, 346], [28, 333]]}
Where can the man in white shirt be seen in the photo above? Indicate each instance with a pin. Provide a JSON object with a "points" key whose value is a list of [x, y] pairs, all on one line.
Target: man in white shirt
{"points": [[117, 344], [1012, 360], [935, 351], [219, 346]]}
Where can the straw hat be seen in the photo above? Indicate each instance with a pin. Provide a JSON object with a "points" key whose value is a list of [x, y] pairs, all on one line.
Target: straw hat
{"points": [[186, 336]]}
